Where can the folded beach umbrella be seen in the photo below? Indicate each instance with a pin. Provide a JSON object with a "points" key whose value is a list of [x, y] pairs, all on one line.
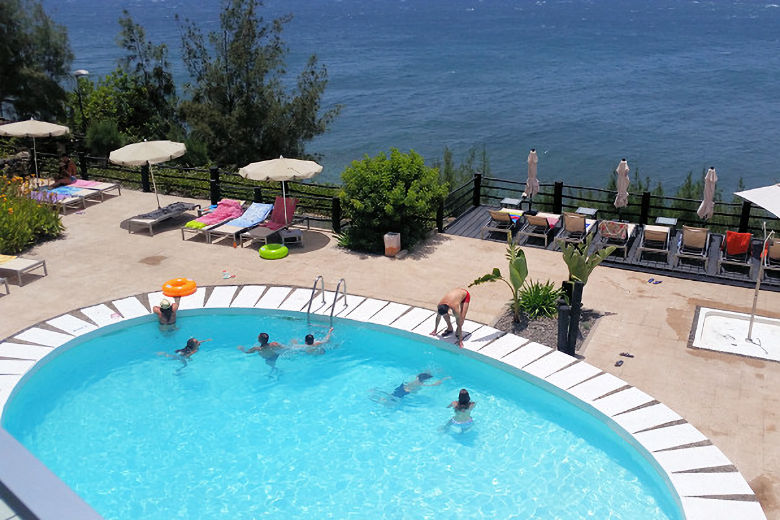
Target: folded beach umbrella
{"points": [[621, 200], [148, 152], [532, 184], [282, 170], [707, 206], [33, 128]]}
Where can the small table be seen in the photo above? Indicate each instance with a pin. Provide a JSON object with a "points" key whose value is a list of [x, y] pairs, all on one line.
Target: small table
{"points": [[291, 236], [508, 202], [590, 212], [666, 221]]}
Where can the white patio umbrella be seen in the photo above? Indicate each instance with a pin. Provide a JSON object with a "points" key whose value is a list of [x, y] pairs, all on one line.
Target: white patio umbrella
{"points": [[148, 152], [33, 128], [707, 207], [621, 201], [532, 184], [282, 170], [768, 198]]}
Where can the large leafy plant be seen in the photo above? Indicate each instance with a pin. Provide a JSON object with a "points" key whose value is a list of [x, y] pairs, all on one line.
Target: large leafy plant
{"points": [[539, 300], [579, 262], [518, 272]]}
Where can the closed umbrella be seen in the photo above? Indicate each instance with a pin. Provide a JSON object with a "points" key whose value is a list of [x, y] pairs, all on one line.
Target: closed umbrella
{"points": [[282, 170], [707, 207], [532, 184], [621, 201], [148, 152], [33, 128]]}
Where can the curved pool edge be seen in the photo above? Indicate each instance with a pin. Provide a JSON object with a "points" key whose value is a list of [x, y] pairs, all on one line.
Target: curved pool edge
{"points": [[707, 485]]}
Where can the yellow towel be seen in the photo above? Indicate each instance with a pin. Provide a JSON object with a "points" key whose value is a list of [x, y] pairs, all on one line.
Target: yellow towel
{"points": [[6, 258]]}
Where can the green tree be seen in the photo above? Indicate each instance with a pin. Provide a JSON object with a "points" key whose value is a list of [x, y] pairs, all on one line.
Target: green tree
{"points": [[518, 272], [35, 57], [381, 194], [238, 104]]}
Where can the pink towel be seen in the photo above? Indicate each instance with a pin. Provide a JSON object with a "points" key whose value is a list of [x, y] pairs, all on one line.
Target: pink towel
{"points": [[81, 183], [226, 209]]}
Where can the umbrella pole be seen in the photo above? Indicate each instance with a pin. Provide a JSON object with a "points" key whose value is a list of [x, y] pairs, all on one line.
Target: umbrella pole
{"points": [[35, 158], [758, 285], [284, 200], [154, 184]]}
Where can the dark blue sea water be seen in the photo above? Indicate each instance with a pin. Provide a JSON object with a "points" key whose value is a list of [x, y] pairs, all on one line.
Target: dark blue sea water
{"points": [[674, 86]]}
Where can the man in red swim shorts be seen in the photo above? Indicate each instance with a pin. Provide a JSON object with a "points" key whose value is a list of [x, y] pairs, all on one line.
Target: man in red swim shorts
{"points": [[457, 301]]}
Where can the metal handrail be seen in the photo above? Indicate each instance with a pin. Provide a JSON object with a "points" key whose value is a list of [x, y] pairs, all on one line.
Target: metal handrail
{"points": [[313, 289], [336, 298]]}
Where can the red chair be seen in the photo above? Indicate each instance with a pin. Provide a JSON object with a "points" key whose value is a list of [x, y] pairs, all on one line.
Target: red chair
{"points": [[736, 250]]}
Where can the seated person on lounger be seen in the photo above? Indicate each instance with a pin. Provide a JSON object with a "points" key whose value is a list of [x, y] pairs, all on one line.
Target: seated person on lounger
{"points": [[67, 172]]}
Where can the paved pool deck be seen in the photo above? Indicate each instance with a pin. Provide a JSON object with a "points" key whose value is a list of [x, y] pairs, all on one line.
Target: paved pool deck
{"points": [[735, 401]]}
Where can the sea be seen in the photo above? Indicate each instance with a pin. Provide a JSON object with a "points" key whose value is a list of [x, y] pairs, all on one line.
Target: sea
{"points": [[674, 86]]}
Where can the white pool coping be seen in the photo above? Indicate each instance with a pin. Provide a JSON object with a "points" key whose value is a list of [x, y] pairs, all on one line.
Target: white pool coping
{"points": [[707, 483]]}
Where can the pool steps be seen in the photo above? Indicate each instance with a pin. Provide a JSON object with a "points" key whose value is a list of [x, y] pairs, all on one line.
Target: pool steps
{"points": [[709, 485]]}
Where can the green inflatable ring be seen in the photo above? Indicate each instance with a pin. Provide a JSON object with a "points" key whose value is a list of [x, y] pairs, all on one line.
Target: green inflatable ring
{"points": [[273, 251]]}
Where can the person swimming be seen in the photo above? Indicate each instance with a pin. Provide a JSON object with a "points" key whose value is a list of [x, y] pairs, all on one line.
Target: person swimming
{"points": [[185, 353], [462, 418], [407, 388], [313, 346], [166, 312], [268, 350]]}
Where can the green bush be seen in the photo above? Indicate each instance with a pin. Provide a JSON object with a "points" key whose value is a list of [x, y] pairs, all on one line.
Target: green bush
{"points": [[103, 137], [24, 221], [381, 194], [539, 300]]}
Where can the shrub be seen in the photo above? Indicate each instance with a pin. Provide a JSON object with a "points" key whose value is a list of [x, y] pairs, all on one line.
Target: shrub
{"points": [[103, 137], [23, 221], [539, 300], [518, 271], [396, 193]]}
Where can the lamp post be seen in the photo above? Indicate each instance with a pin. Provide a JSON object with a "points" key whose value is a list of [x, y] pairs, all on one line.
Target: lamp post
{"points": [[78, 74]]}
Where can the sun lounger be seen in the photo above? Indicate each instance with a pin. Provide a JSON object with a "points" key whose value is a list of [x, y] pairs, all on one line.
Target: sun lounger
{"points": [[3, 281], [227, 209], [500, 222], [694, 244], [772, 256], [149, 220], [252, 217], [736, 250], [575, 228], [100, 187], [60, 201], [617, 234], [655, 239], [280, 219], [20, 266], [539, 225]]}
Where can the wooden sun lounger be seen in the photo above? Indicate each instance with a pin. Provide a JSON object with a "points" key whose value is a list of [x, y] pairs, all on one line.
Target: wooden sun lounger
{"points": [[617, 234], [500, 222], [539, 225], [694, 245], [20, 266]]}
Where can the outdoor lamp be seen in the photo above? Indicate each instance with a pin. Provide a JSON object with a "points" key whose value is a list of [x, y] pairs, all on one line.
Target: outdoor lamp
{"points": [[78, 74]]}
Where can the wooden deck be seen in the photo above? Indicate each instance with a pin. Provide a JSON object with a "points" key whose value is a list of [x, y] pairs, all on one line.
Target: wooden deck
{"points": [[470, 225]]}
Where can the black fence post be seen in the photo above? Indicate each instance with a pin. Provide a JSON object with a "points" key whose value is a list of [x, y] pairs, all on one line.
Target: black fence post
{"points": [[564, 314], [477, 195], [644, 211], [214, 185], [558, 198], [83, 165], [257, 194], [744, 218], [145, 187], [440, 217], [574, 319], [335, 214]]}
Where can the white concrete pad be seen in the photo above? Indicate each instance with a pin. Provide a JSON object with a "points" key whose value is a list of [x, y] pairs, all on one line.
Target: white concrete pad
{"points": [[412, 319], [502, 346], [343, 305], [130, 307], [20, 351], [273, 297], [526, 354], [573, 375], [705, 484], [71, 324], [669, 437], [15, 366], [44, 337], [726, 331], [389, 313], [687, 459], [596, 387], [621, 401], [221, 296], [101, 314], [296, 300], [194, 300], [646, 418], [365, 310], [549, 364], [482, 337], [469, 328], [248, 296], [426, 326], [714, 509]]}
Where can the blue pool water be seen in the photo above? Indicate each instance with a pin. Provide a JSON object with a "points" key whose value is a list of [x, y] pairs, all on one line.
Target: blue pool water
{"points": [[220, 439]]}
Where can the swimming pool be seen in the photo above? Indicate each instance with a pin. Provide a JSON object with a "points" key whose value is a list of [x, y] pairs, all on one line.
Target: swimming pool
{"points": [[138, 438]]}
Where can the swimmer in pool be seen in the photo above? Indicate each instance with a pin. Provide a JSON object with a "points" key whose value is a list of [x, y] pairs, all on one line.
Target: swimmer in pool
{"points": [[462, 407], [269, 351], [313, 346], [166, 312], [184, 354], [407, 388]]}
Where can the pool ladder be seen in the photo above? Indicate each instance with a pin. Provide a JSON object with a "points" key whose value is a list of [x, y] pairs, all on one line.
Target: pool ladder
{"points": [[341, 287]]}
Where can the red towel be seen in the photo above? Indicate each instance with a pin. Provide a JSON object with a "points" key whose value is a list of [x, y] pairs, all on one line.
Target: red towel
{"points": [[737, 243]]}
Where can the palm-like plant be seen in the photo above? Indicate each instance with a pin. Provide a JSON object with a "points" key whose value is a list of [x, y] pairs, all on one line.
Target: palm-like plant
{"points": [[579, 262], [518, 271]]}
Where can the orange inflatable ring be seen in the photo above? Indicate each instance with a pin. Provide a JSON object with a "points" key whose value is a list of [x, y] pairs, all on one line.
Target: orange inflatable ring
{"points": [[179, 287]]}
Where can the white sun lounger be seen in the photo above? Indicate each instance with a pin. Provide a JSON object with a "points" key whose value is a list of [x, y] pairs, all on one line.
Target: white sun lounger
{"points": [[20, 266], [102, 188]]}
